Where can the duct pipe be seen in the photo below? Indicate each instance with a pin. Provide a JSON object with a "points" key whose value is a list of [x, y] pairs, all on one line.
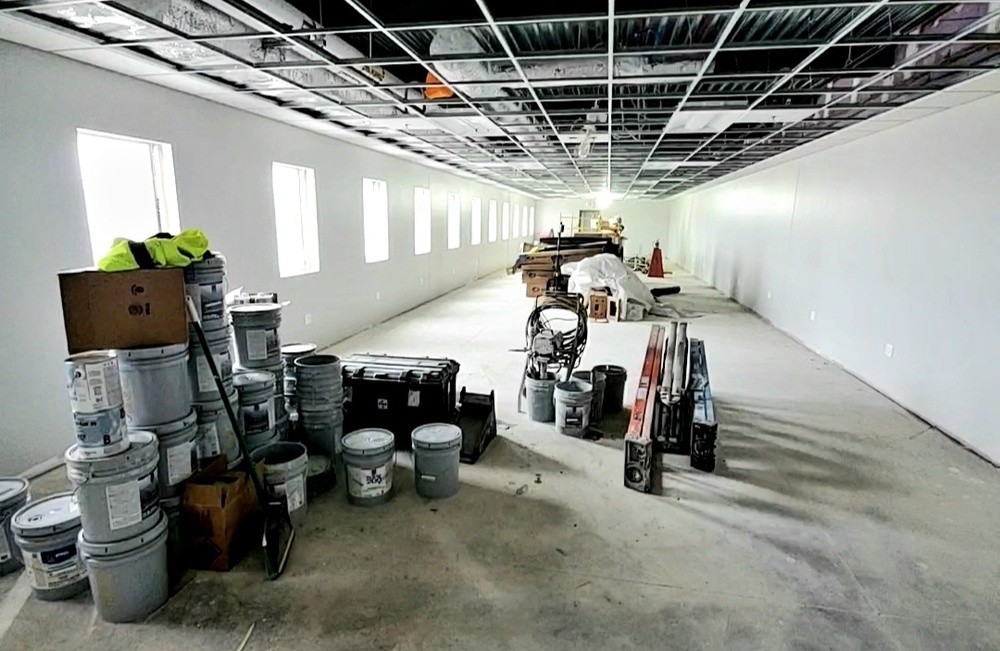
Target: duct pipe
{"points": [[680, 361]]}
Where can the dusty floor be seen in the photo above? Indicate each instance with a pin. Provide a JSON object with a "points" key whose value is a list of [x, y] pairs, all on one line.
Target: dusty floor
{"points": [[835, 521]]}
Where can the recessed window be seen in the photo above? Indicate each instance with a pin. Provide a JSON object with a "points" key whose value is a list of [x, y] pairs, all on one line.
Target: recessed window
{"points": [[421, 221], [295, 219], [531, 222], [376, 215], [454, 221], [491, 228], [128, 188], [477, 221], [524, 222], [505, 221], [517, 220]]}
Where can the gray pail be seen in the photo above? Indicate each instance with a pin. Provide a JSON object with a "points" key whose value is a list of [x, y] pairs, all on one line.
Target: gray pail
{"points": [[155, 384], [13, 495], [368, 461], [597, 380], [119, 496], [322, 436], [572, 401], [290, 353], [614, 388], [285, 466], [539, 395], [436, 450], [258, 415], [256, 332], [178, 452], [46, 533], [93, 381], [206, 285], [202, 381], [129, 579], [318, 383], [101, 433], [215, 431]]}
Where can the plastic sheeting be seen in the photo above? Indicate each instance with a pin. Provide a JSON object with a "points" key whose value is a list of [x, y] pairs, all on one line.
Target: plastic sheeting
{"points": [[607, 270]]}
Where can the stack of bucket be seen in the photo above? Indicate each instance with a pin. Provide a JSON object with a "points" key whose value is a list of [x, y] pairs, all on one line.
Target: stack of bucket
{"points": [[319, 394], [111, 527], [258, 349], [206, 282], [290, 353]]}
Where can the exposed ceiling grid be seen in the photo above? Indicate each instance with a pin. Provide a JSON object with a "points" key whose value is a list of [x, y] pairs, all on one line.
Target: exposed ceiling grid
{"points": [[634, 98]]}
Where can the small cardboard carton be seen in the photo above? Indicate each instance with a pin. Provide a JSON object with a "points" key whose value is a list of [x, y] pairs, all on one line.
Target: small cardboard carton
{"points": [[221, 519]]}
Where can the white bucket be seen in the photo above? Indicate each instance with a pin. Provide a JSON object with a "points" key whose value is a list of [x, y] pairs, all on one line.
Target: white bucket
{"points": [[255, 329], [285, 466], [572, 402], [202, 380], [13, 495], [215, 431], [46, 532], [155, 384], [101, 433], [93, 381], [178, 452], [436, 451], [368, 460]]}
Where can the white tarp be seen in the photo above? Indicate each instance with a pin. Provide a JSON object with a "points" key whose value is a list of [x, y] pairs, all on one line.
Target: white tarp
{"points": [[607, 270]]}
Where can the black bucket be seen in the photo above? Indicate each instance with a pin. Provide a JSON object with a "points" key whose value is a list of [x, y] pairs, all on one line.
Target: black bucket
{"points": [[614, 387]]}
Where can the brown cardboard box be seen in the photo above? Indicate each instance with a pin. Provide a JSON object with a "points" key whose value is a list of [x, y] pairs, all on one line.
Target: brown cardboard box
{"points": [[599, 298], [123, 309], [527, 276], [535, 287], [220, 517]]}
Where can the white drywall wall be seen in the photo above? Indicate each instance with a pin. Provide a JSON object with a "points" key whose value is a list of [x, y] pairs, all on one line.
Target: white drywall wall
{"points": [[222, 159], [892, 239], [645, 220]]}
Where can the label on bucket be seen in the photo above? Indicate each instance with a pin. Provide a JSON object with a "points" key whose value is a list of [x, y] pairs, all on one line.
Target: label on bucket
{"points": [[369, 482], [257, 421], [132, 501], [206, 382], [54, 568], [208, 441], [180, 463], [261, 344], [413, 398], [94, 387], [293, 492]]}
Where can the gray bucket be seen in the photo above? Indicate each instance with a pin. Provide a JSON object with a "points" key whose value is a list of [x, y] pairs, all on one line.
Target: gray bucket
{"points": [[119, 496], [290, 353], [572, 402], [46, 532], [155, 384], [368, 461], [205, 282], [215, 431], [93, 381], [324, 436], [101, 433], [436, 451], [129, 579], [285, 466], [178, 452], [256, 332], [318, 383], [614, 388], [13, 495], [597, 380], [202, 381], [258, 415], [539, 395]]}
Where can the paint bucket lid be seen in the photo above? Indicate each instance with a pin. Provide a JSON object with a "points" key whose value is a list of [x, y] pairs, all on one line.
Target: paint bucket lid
{"points": [[143, 448], [437, 436], [12, 490], [253, 380], [369, 442], [291, 350], [92, 357], [129, 545], [255, 308], [152, 352], [47, 516], [167, 430], [317, 360]]}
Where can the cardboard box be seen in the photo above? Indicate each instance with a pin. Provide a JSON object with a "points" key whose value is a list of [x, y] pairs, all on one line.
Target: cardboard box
{"points": [[527, 276], [123, 309], [599, 304], [535, 287], [220, 517]]}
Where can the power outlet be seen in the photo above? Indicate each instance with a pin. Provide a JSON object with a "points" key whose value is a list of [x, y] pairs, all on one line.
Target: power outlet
{"points": [[812, 315], [309, 319], [888, 350]]}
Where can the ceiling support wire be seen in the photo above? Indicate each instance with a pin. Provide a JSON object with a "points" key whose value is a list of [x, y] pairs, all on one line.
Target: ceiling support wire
{"points": [[905, 64]]}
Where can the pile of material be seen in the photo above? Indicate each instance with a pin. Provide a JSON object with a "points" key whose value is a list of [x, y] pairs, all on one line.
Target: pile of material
{"points": [[542, 262]]}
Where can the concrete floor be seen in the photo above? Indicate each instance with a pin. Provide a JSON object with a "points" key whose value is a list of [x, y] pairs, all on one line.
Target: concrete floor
{"points": [[836, 520]]}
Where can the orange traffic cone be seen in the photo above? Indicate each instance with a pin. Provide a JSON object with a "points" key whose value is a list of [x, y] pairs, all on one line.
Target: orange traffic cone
{"points": [[655, 262]]}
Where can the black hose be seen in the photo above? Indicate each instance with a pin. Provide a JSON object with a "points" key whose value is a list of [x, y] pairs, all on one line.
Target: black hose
{"points": [[572, 342]]}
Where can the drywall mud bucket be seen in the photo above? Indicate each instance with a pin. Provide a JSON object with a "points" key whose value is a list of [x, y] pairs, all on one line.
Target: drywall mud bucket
{"points": [[155, 384], [46, 532], [368, 461], [285, 467], [436, 450], [614, 388], [202, 381], [257, 414], [290, 353], [13, 495], [129, 579], [572, 402], [205, 282], [101, 433], [119, 496], [538, 393], [256, 332], [318, 383], [598, 381], [215, 431], [178, 452], [93, 381]]}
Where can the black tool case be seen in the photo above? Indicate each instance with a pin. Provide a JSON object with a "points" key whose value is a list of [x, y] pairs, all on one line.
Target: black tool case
{"points": [[398, 393]]}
